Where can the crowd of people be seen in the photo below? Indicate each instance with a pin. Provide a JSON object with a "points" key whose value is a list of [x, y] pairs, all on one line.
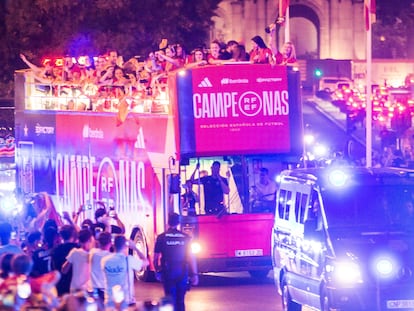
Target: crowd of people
{"points": [[107, 83], [59, 264], [52, 261]]}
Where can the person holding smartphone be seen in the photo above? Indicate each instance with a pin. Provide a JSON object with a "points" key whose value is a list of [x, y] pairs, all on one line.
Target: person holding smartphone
{"points": [[108, 221]]}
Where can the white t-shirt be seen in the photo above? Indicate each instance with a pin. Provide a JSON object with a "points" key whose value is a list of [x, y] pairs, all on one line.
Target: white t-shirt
{"points": [[96, 255], [266, 192], [81, 270], [115, 271]]}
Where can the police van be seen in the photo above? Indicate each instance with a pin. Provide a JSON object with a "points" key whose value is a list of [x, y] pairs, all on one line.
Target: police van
{"points": [[343, 239]]}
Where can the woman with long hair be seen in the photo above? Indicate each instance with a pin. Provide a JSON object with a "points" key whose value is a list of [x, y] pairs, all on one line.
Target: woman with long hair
{"points": [[260, 53]]}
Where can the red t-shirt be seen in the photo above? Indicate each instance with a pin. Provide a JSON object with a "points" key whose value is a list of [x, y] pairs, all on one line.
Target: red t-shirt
{"points": [[261, 55]]}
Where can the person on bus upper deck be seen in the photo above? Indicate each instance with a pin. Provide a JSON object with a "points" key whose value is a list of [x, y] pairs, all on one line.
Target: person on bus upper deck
{"points": [[41, 74], [215, 187], [198, 59], [240, 54], [260, 53], [227, 52], [288, 54], [100, 70], [182, 54], [71, 70], [114, 59], [213, 58], [171, 62]]}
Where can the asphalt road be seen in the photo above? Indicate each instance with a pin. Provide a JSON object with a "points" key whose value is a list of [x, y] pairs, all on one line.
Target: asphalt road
{"points": [[330, 131], [222, 292]]}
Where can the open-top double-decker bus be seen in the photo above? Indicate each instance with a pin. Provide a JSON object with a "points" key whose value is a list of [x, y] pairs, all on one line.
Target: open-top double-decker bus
{"points": [[136, 152]]}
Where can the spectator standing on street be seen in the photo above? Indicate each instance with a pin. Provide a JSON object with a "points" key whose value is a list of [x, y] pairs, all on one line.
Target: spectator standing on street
{"points": [[176, 263], [104, 241], [5, 237], [69, 236], [104, 220], [5, 266], [42, 257], [118, 269], [78, 259]]}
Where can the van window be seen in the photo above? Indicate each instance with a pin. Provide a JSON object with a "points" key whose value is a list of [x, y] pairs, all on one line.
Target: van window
{"points": [[285, 200], [300, 206]]}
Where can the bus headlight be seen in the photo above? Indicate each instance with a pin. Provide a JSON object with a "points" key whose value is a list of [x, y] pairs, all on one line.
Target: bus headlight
{"points": [[195, 248]]}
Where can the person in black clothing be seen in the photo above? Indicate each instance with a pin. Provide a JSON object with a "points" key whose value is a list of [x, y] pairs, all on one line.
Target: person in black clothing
{"points": [[42, 257], [215, 187], [69, 236], [189, 199], [174, 260], [104, 220]]}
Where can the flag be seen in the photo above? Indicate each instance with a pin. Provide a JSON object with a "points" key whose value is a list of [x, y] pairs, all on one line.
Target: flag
{"points": [[369, 12], [283, 5], [122, 114]]}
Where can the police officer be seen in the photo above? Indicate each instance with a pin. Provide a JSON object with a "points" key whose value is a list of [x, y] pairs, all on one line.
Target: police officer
{"points": [[175, 262]]}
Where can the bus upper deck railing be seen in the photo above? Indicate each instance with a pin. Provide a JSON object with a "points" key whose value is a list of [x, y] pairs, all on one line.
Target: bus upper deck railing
{"points": [[142, 98]]}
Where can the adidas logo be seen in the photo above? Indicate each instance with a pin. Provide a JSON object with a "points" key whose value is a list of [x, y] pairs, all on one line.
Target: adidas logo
{"points": [[140, 142], [205, 83]]}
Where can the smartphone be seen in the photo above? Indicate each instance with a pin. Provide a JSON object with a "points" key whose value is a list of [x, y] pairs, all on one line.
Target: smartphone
{"points": [[112, 212], [97, 230], [86, 207]]}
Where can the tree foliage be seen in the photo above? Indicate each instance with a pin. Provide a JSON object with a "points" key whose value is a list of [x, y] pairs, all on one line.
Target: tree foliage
{"points": [[392, 33], [134, 27]]}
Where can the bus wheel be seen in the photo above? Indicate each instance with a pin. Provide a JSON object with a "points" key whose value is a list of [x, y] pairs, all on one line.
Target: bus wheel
{"points": [[288, 303], [138, 237], [259, 274]]}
